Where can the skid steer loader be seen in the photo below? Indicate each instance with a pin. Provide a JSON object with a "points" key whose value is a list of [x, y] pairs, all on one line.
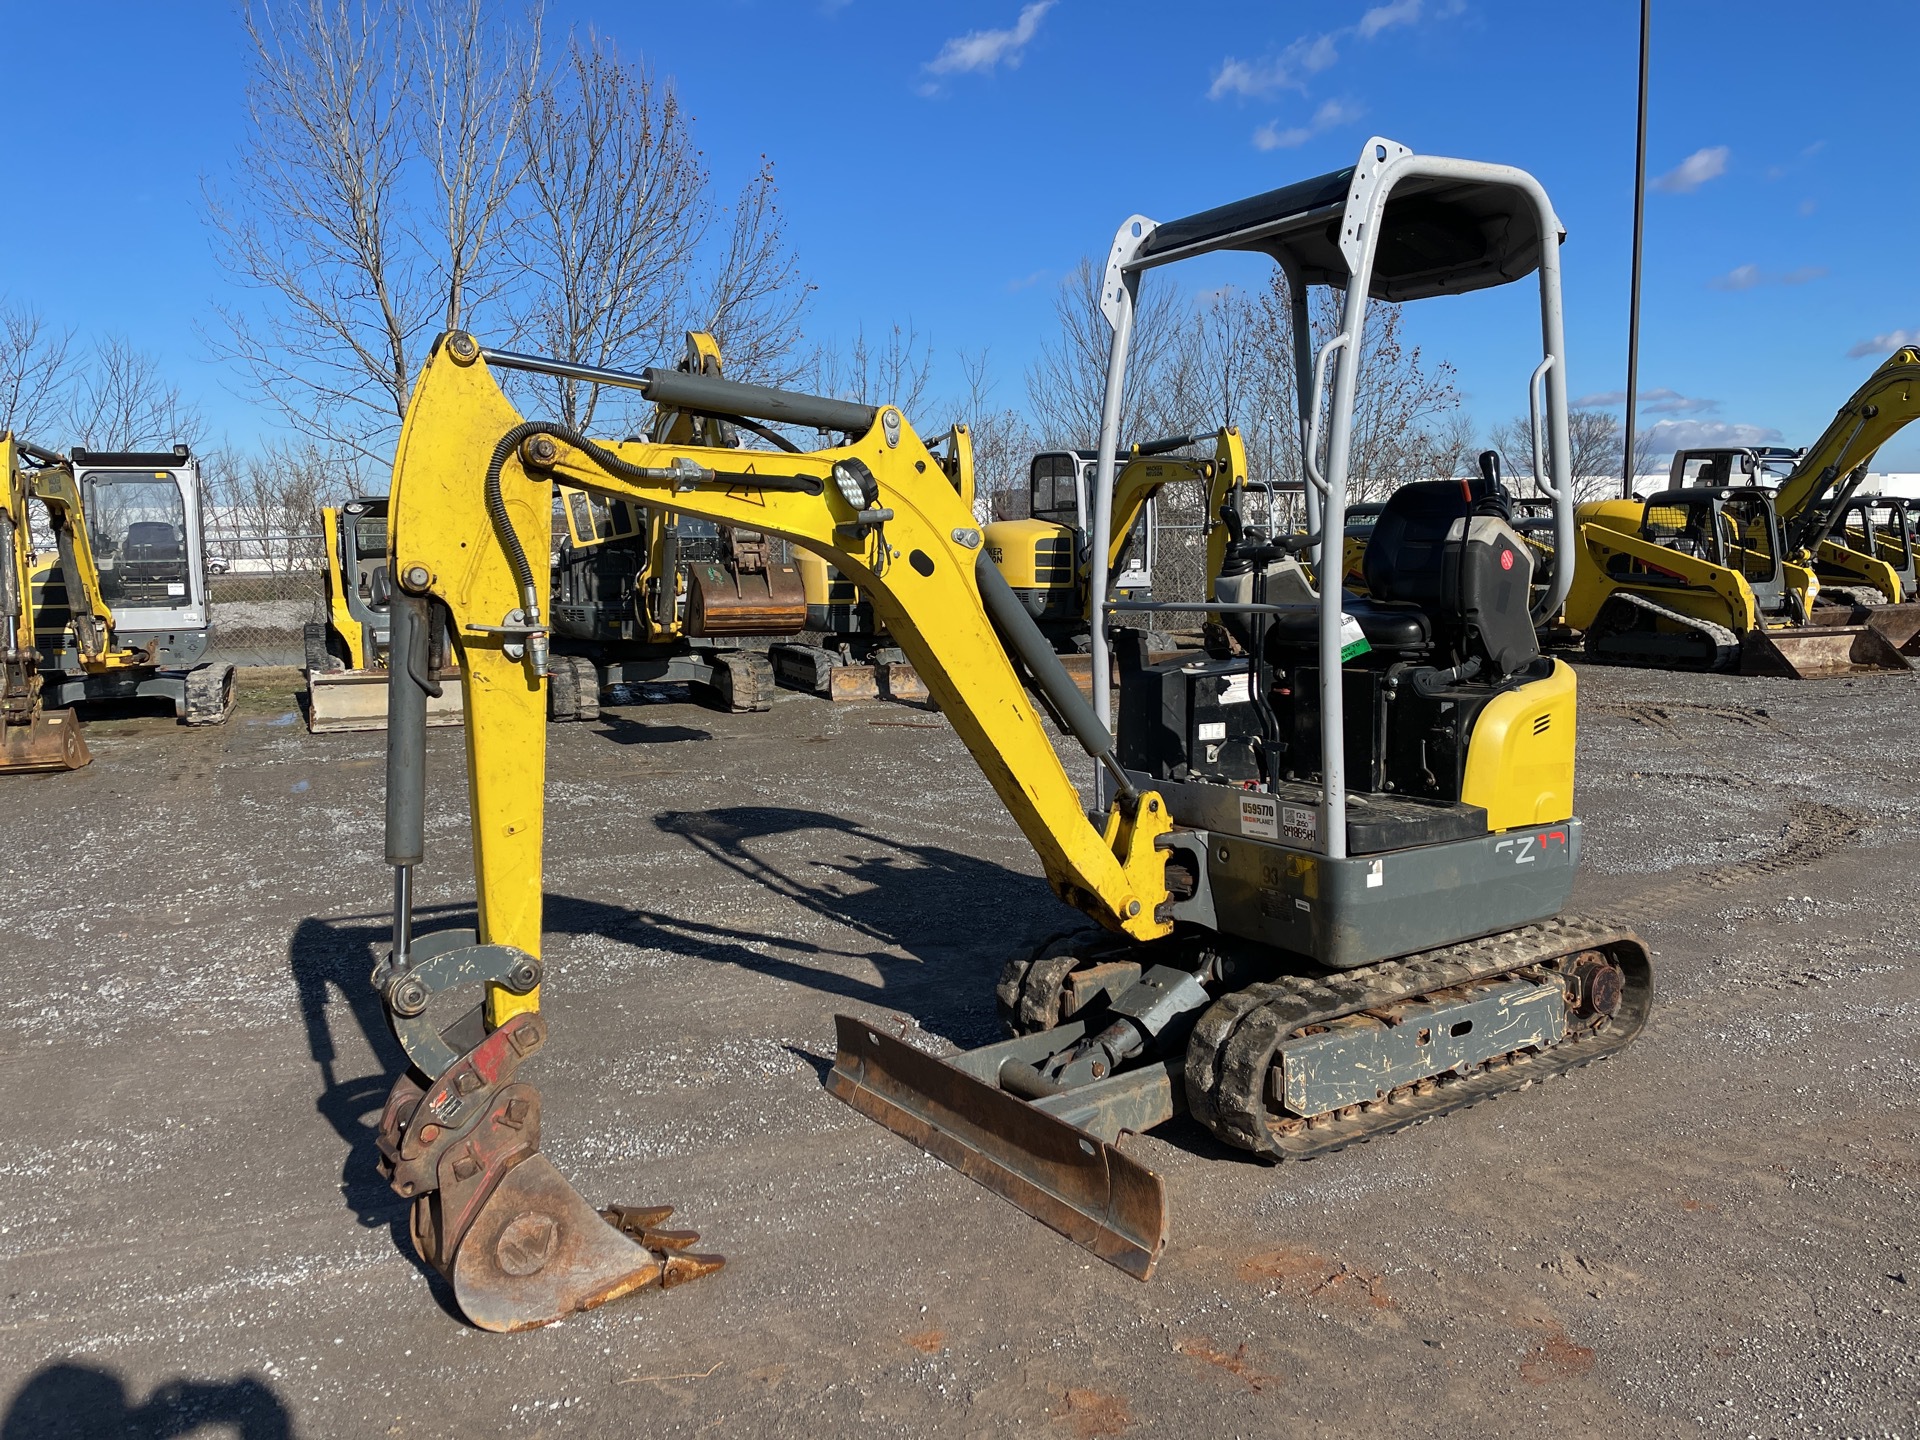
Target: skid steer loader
{"points": [[1324, 876], [1724, 569]]}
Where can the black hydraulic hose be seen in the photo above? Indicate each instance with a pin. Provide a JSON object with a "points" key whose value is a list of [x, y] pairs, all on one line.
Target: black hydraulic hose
{"points": [[606, 460]]}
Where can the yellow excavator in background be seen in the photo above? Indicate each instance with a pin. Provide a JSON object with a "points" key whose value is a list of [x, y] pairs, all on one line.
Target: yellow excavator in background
{"points": [[124, 611], [1321, 918], [1047, 557], [1714, 575], [849, 655], [32, 737], [346, 653]]}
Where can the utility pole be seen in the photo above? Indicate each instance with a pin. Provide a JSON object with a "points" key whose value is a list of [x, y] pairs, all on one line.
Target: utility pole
{"points": [[1639, 216]]}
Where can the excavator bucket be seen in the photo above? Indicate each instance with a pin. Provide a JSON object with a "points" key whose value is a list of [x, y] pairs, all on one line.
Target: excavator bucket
{"points": [[521, 1246], [1059, 1172], [339, 700], [51, 740], [1818, 651]]}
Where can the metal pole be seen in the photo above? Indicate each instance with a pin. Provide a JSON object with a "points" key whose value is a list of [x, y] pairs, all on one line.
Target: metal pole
{"points": [[1639, 214], [1103, 517]]}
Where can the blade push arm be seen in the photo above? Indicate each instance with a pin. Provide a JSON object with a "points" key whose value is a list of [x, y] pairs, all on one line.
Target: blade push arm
{"points": [[880, 509]]}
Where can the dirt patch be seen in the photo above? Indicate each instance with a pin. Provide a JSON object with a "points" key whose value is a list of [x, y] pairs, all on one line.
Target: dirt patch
{"points": [[1088, 1413], [1314, 1276], [1234, 1361], [927, 1342], [1555, 1359]]}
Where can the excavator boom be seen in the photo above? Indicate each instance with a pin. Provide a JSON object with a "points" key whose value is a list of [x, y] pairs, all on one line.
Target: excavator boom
{"points": [[32, 737], [469, 517]]}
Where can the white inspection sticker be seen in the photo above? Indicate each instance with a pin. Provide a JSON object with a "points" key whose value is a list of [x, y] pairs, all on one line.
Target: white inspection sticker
{"points": [[1213, 730], [1259, 817], [1353, 640], [1375, 876], [175, 589], [1297, 822], [1238, 691]]}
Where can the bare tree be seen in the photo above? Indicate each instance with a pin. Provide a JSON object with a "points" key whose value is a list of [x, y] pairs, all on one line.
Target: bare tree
{"points": [[1400, 398], [1003, 443], [36, 371], [1066, 386], [753, 298], [613, 179], [347, 101], [617, 252], [271, 499], [1593, 441], [895, 371], [121, 401]]}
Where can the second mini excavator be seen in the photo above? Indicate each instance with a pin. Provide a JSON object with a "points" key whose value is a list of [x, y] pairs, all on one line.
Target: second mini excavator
{"points": [[1327, 874]]}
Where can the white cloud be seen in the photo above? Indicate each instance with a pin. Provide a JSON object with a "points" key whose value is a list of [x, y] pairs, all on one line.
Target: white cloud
{"points": [[1884, 344], [1385, 17], [1671, 435], [1694, 171], [1308, 55], [1659, 401], [1749, 277], [1332, 113], [982, 50], [1312, 54]]}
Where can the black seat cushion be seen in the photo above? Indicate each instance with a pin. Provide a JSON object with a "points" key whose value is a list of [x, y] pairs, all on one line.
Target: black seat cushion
{"points": [[1386, 626]]}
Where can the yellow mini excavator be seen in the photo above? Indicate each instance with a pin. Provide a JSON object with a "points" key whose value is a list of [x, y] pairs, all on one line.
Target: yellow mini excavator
{"points": [[1324, 875], [346, 653], [32, 737], [124, 612], [1725, 569], [1047, 558]]}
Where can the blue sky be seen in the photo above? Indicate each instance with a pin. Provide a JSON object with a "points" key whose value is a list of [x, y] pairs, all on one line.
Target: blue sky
{"points": [[947, 163]]}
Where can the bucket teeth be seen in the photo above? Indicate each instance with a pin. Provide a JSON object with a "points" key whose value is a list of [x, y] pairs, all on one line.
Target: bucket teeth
{"points": [[669, 1239], [680, 1269], [635, 1219]]}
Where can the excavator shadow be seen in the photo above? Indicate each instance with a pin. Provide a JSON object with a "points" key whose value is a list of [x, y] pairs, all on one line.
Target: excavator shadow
{"points": [[624, 731], [911, 898], [335, 957]]}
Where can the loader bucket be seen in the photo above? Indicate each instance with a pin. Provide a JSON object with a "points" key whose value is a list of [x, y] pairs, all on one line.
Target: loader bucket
{"points": [[339, 700], [1066, 1178], [1899, 624], [1816, 651], [50, 741]]}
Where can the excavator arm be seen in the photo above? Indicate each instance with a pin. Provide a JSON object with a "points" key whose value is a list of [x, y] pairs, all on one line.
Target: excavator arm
{"points": [[53, 485], [469, 520], [1878, 410], [31, 736], [1145, 475], [920, 566]]}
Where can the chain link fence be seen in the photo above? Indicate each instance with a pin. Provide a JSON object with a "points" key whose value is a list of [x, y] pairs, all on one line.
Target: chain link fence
{"points": [[264, 587]]}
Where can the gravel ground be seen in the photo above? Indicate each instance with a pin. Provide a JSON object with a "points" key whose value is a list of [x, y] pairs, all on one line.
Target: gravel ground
{"points": [[1713, 1233]]}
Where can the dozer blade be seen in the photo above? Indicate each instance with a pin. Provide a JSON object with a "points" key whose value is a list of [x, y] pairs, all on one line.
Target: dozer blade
{"points": [[1816, 651], [1067, 1179], [50, 741], [340, 700], [853, 682], [904, 683], [538, 1252]]}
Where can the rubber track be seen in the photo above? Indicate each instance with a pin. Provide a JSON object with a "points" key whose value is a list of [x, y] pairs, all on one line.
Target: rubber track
{"points": [[1234, 1043], [750, 680], [210, 694], [1726, 645]]}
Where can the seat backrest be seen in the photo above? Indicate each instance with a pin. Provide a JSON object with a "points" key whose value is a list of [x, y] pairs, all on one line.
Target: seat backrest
{"points": [[1449, 547]]}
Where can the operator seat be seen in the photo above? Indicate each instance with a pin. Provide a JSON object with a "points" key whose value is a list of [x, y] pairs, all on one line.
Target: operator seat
{"points": [[1446, 573]]}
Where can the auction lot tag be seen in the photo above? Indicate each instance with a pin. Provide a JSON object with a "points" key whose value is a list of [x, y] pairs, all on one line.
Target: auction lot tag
{"points": [[1260, 817]]}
